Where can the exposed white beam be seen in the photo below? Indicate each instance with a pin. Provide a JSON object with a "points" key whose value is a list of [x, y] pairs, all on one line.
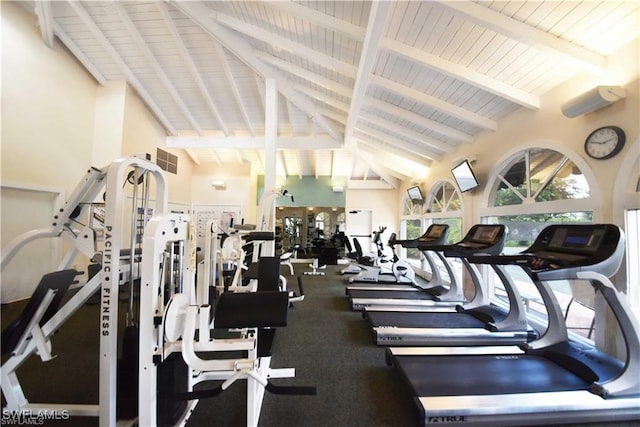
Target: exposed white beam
{"points": [[418, 56], [45, 21], [283, 43], [283, 161], [527, 34], [216, 158], [194, 158], [445, 107], [199, 14], [415, 150], [419, 120], [157, 68], [234, 87], [372, 41], [357, 184], [271, 133], [79, 54], [288, 110], [320, 19], [371, 163], [406, 132], [239, 157], [340, 118], [260, 86], [463, 73], [398, 165], [124, 68], [313, 160], [191, 66], [307, 142], [312, 77], [322, 97]]}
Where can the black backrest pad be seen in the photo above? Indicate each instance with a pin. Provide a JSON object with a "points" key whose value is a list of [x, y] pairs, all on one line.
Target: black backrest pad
{"points": [[58, 281], [268, 274], [252, 310]]}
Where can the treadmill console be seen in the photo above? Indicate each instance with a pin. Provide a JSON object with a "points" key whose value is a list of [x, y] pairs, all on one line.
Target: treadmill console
{"points": [[600, 247], [486, 239], [436, 234]]}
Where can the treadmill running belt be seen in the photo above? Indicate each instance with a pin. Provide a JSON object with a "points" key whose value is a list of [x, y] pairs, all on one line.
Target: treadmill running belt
{"points": [[484, 374], [390, 294], [423, 320]]}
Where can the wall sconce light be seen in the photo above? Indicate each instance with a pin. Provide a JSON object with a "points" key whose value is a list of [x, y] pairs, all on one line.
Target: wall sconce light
{"points": [[219, 184], [596, 98]]}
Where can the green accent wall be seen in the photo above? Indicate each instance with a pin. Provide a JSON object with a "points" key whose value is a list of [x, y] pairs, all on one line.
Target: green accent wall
{"points": [[309, 191]]}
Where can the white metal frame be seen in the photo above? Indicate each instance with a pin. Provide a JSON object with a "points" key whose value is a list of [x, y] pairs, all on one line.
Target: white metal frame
{"points": [[184, 317]]}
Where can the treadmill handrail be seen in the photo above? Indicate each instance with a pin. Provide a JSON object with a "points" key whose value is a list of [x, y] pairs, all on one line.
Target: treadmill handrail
{"points": [[627, 383]]}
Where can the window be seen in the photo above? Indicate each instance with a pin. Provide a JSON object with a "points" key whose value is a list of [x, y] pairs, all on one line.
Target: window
{"points": [[554, 190], [167, 161], [539, 175], [411, 207]]}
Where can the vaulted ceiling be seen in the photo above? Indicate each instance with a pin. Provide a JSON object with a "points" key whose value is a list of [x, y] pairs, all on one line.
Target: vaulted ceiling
{"points": [[371, 91]]}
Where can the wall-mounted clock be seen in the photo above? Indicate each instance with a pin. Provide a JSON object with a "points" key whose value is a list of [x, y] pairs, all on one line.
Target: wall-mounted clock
{"points": [[605, 142]]}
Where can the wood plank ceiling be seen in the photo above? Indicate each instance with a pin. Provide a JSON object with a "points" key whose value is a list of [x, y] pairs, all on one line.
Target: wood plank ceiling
{"points": [[370, 91]]}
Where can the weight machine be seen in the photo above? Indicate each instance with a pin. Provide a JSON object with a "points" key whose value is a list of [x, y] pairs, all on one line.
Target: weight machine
{"points": [[164, 381], [105, 245], [175, 318]]}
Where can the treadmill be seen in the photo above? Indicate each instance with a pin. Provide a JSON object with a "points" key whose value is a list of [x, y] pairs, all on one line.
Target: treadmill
{"points": [[474, 324], [551, 380], [482, 238], [436, 234]]}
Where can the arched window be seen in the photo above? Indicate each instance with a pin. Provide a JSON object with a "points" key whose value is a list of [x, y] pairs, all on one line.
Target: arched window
{"points": [[530, 190], [411, 207], [535, 187], [444, 207], [323, 224], [539, 175]]}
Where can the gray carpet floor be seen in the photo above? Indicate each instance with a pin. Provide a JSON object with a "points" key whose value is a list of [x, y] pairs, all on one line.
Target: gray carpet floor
{"points": [[330, 347]]}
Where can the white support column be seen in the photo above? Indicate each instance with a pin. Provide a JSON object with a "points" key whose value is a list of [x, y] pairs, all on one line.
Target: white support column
{"points": [[270, 152], [271, 133]]}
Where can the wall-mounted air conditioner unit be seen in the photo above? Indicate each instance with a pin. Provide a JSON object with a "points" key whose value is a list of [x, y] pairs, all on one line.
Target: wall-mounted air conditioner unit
{"points": [[593, 100]]}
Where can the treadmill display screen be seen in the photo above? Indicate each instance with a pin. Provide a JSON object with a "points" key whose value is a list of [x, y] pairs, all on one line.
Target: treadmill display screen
{"points": [[585, 240], [486, 234], [435, 231]]}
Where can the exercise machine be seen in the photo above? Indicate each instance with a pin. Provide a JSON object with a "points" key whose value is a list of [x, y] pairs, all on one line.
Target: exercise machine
{"points": [[400, 271], [176, 319], [363, 261], [553, 379], [484, 238], [162, 383], [470, 325], [105, 244], [436, 234]]}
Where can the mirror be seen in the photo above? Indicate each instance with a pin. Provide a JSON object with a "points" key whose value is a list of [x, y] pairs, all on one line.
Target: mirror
{"points": [[308, 227]]}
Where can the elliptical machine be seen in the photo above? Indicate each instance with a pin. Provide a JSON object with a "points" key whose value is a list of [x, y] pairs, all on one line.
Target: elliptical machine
{"points": [[399, 272]]}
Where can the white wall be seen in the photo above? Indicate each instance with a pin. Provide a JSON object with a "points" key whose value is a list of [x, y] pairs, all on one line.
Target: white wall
{"points": [[142, 133], [241, 188], [56, 123], [385, 212], [48, 104]]}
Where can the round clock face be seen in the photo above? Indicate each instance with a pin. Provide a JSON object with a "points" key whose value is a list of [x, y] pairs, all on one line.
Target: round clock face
{"points": [[605, 142]]}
